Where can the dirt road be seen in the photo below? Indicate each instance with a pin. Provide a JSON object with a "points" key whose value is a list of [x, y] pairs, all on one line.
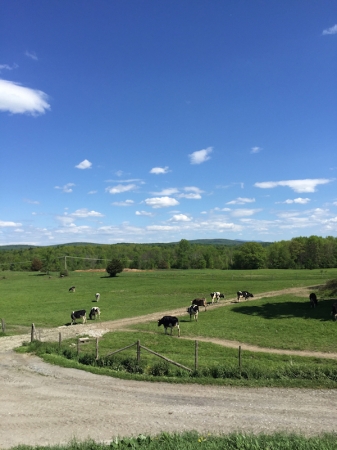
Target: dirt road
{"points": [[43, 404]]}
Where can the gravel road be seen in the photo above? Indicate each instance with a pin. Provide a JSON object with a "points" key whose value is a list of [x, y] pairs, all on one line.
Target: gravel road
{"points": [[42, 404]]}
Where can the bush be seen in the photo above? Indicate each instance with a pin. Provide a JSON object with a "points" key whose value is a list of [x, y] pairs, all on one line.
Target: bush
{"points": [[64, 273], [114, 267]]}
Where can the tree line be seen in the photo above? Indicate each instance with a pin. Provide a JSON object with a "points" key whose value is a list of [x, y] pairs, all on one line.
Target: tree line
{"points": [[312, 252]]}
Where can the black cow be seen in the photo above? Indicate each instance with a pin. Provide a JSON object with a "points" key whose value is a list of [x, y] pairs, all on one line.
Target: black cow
{"points": [[334, 311], [169, 322], [199, 302], [313, 300], [193, 310], [243, 294], [95, 311], [72, 289], [81, 314]]}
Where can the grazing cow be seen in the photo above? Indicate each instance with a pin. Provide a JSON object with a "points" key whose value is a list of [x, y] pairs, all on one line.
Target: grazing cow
{"points": [[243, 294], [169, 322], [97, 296], [72, 289], [334, 311], [313, 300], [81, 314], [199, 302], [95, 312], [193, 310], [216, 296]]}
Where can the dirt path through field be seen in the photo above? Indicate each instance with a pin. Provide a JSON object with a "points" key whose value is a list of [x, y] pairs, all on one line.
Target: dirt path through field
{"points": [[43, 404]]}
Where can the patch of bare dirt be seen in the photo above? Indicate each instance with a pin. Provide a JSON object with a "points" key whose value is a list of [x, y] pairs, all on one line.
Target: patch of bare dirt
{"points": [[42, 404]]}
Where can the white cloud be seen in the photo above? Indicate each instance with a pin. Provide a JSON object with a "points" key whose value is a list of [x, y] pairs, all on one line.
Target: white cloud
{"points": [[331, 30], [85, 164], [300, 186], [120, 188], [168, 191], [241, 201], [161, 228], [84, 213], [8, 67], [22, 100], [144, 213], [299, 200], [244, 212], [31, 55], [9, 224], [67, 188], [193, 193], [180, 218], [125, 203], [190, 196], [92, 192], [159, 170], [161, 202], [255, 149], [200, 156], [31, 202]]}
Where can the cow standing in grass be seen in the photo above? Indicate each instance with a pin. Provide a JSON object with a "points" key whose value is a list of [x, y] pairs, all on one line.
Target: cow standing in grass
{"points": [[97, 296], [313, 300], [200, 302], [243, 294], [193, 311], [72, 289], [169, 322], [95, 312], [334, 311], [80, 314]]}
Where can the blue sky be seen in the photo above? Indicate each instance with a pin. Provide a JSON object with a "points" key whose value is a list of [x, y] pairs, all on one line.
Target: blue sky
{"points": [[154, 121]]}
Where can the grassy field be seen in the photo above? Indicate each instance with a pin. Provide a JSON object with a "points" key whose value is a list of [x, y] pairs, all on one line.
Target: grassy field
{"points": [[45, 300]]}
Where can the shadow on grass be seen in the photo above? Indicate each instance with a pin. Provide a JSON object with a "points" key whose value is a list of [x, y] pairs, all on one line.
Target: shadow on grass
{"points": [[287, 310]]}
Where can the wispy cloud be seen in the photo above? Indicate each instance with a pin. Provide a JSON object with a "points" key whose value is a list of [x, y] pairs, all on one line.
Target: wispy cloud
{"points": [[159, 170], [200, 156], [144, 213], [244, 212], [241, 201], [8, 67], [125, 203], [161, 202], [85, 164], [31, 202], [18, 99], [255, 149], [4, 223], [167, 191], [67, 188], [180, 218], [120, 188], [84, 213], [331, 30], [300, 186], [299, 200], [92, 192], [31, 55]]}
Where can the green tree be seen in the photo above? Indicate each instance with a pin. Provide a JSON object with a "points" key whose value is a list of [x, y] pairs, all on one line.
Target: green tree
{"points": [[114, 267], [250, 255], [36, 265]]}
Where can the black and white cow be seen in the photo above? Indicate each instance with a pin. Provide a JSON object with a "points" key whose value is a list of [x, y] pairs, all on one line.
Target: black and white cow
{"points": [[334, 311], [193, 311], [95, 312], [169, 322], [313, 300], [199, 302], [97, 296], [216, 296], [81, 314], [243, 294], [72, 289]]}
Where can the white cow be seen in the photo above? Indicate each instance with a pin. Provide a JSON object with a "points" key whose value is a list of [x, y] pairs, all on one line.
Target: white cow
{"points": [[97, 296]]}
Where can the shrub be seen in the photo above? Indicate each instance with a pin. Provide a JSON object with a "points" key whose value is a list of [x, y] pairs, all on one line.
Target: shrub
{"points": [[64, 273], [114, 267]]}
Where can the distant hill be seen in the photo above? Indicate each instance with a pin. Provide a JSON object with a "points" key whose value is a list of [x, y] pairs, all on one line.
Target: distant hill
{"points": [[226, 242]]}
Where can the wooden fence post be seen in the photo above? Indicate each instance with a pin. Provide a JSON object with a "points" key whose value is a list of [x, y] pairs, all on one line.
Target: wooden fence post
{"points": [[196, 356], [138, 351], [240, 359], [78, 346], [3, 325], [60, 339], [32, 333], [96, 348]]}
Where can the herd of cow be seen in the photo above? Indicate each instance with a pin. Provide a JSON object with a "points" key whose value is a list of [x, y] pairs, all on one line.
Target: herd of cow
{"points": [[193, 310]]}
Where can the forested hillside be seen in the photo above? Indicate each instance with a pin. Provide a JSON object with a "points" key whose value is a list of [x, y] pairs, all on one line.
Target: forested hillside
{"points": [[302, 252]]}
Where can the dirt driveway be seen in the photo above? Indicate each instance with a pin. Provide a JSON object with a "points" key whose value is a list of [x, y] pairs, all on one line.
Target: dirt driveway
{"points": [[43, 404]]}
